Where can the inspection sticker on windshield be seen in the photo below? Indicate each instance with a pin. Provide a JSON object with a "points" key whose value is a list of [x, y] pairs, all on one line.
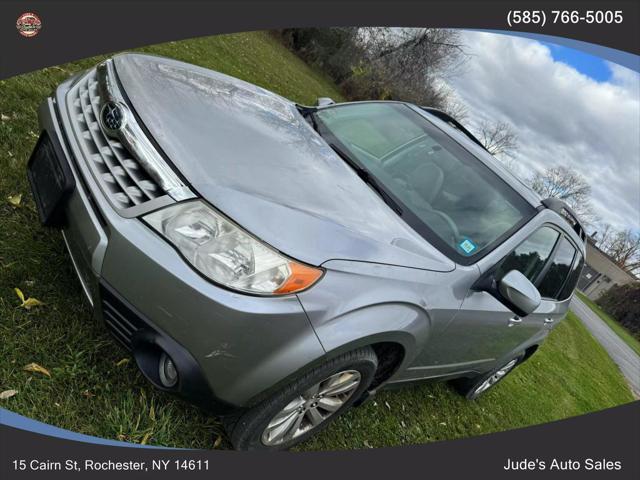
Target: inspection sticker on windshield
{"points": [[467, 246]]}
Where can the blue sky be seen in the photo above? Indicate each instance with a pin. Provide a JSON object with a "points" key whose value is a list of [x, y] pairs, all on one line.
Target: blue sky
{"points": [[584, 63]]}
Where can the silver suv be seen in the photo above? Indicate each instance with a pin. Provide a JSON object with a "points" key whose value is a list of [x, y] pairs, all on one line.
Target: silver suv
{"points": [[277, 264]]}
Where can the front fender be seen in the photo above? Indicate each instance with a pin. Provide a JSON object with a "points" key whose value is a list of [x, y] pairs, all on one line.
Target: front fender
{"points": [[400, 323], [359, 303]]}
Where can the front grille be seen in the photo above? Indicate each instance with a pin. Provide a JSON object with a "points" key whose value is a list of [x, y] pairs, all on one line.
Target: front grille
{"points": [[125, 183], [121, 320]]}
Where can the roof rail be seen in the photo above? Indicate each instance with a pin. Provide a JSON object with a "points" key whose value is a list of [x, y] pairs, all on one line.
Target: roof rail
{"points": [[445, 117], [566, 212]]}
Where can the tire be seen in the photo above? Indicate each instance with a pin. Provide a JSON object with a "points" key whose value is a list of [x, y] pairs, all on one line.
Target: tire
{"points": [[262, 426], [473, 388]]}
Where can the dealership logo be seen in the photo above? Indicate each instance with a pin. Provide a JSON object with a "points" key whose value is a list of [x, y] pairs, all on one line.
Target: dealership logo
{"points": [[112, 117], [28, 24]]}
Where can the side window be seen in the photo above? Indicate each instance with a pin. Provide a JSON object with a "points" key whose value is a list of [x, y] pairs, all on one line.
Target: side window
{"points": [[531, 255], [574, 275], [552, 283]]}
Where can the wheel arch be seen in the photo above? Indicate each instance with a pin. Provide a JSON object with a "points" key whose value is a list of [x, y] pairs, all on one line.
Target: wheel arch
{"points": [[390, 356], [395, 330], [391, 348]]}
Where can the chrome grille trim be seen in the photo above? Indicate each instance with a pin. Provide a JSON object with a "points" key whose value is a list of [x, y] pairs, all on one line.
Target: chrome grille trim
{"points": [[132, 174], [133, 137]]}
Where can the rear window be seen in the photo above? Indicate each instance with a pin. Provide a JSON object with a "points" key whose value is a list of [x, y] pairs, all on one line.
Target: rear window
{"points": [[446, 193]]}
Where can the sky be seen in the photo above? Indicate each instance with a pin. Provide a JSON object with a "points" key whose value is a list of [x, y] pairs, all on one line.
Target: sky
{"points": [[567, 107]]}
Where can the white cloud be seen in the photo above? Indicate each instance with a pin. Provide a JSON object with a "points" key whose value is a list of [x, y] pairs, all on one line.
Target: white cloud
{"points": [[561, 116]]}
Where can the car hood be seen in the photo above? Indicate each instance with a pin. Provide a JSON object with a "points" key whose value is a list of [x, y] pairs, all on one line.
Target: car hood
{"points": [[251, 154]]}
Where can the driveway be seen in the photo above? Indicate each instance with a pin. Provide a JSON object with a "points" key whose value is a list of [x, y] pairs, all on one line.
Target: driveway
{"points": [[620, 352]]}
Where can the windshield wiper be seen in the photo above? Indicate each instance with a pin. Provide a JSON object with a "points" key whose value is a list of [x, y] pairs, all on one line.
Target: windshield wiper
{"points": [[369, 179]]}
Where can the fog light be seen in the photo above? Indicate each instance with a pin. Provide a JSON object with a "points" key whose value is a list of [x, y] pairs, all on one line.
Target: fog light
{"points": [[168, 372]]}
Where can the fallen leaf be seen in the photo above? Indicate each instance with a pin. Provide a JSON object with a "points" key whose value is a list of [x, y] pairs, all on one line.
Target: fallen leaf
{"points": [[34, 367], [443, 424], [88, 394], [57, 404], [124, 361], [20, 294], [15, 199], [122, 437], [29, 302], [145, 439], [218, 441], [4, 117], [387, 405], [7, 394], [32, 302]]}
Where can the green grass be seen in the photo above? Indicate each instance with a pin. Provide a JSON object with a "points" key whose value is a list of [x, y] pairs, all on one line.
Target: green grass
{"points": [[626, 336], [90, 391]]}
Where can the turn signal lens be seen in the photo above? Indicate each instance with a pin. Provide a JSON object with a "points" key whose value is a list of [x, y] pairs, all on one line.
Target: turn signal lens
{"points": [[300, 277]]}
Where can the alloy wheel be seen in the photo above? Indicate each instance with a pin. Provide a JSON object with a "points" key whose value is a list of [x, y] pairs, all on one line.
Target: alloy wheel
{"points": [[495, 377], [311, 408]]}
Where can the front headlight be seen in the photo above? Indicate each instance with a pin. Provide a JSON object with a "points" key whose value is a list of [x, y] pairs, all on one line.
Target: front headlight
{"points": [[226, 254]]}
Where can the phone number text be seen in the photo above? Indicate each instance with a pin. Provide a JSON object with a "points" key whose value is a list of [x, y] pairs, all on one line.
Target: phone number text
{"points": [[540, 17]]}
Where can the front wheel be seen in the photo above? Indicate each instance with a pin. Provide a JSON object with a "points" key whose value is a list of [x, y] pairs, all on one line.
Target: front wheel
{"points": [[307, 405], [472, 388]]}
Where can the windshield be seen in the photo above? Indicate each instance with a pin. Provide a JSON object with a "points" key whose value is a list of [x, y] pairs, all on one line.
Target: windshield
{"points": [[444, 192]]}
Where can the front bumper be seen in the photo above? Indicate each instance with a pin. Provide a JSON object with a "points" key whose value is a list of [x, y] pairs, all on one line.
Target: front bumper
{"points": [[237, 347]]}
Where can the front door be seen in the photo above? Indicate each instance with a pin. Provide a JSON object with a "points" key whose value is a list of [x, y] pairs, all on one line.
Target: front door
{"points": [[484, 329]]}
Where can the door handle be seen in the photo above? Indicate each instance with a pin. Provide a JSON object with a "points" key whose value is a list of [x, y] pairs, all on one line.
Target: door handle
{"points": [[515, 320], [548, 320]]}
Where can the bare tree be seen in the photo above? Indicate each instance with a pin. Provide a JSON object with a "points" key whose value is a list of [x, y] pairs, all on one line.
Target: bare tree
{"points": [[499, 138], [623, 246], [416, 52], [454, 107], [411, 61], [603, 236], [568, 185]]}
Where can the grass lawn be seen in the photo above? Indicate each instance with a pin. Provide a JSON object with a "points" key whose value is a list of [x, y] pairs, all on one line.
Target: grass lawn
{"points": [[93, 388], [621, 331]]}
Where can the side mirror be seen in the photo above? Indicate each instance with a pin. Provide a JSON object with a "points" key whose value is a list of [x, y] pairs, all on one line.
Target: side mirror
{"points": [[324, 101], [519, 293]]}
